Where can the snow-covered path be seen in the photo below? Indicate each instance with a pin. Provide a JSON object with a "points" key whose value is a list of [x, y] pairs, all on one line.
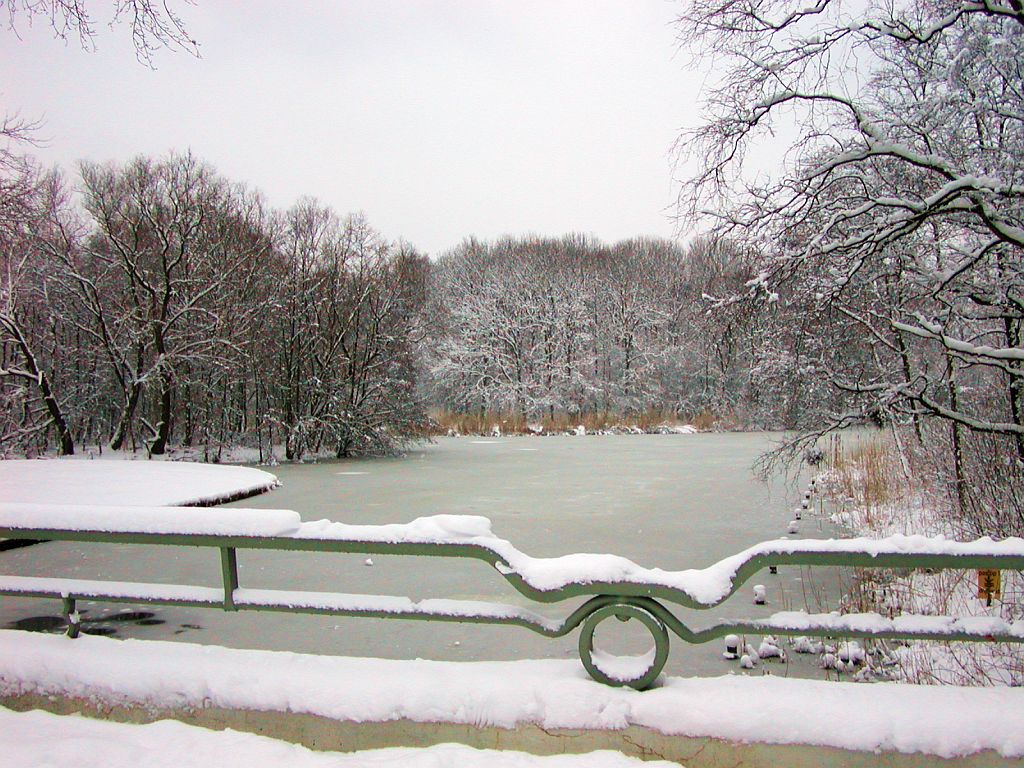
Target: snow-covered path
{"points": [[128, 483], [34, 739]]}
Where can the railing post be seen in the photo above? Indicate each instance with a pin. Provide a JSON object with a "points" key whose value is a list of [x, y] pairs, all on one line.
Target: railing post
{"points": [[71, 614], [229, 571]]}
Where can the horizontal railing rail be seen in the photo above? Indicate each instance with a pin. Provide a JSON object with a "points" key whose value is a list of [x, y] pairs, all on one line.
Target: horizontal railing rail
{"points": [[615, 586]]}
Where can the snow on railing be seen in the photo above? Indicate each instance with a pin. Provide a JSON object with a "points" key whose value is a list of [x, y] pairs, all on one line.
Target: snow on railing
{"points": [[615, 585]]}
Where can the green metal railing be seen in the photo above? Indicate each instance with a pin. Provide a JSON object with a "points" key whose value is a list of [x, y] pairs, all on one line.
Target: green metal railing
{"points": [[640, 595]]}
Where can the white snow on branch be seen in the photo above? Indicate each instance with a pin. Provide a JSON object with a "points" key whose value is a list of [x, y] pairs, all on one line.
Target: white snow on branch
{"points": [[128, 591], [394, 605], [707, 586], [934, 332], [873, 623]]}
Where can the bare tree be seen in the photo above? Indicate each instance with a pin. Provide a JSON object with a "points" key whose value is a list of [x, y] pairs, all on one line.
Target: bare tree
{"points": [[30, 330], [154, 24], [349, 308], [899, 213], [173, 306], [167, 250]]}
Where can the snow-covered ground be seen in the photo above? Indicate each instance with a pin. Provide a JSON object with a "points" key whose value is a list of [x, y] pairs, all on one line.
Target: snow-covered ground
{"points": [[122, 483], [220, 521], [931, 592], [33, 739], [934, 720]]}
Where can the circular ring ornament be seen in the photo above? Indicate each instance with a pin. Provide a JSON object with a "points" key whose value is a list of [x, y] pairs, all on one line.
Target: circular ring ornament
{"points": [[637, 672]]}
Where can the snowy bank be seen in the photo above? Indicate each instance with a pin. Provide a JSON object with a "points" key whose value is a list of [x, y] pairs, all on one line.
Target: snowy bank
{"points": [[918, 507], [551, 694], [194, 521], [123, 483]]}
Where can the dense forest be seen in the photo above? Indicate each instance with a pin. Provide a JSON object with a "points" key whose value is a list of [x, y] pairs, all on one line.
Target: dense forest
{"points": [[541, 327], [164, 304]]}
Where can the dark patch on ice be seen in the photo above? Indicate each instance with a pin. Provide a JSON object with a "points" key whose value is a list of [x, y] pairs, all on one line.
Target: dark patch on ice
{"points": [[102, 631], [39, 624], [7, 544], [150, 622], [138, 616], [190, 626]]}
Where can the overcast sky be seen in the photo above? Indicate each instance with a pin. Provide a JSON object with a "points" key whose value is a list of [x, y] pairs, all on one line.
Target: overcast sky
{"points": [[439, 120]]}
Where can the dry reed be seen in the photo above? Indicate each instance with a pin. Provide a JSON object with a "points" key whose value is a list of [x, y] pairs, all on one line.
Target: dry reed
{"points": [[868, 471], [484, 422]]}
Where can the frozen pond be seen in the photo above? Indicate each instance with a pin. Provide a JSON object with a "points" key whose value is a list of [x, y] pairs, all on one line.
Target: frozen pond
{"points": [[671, 501]]}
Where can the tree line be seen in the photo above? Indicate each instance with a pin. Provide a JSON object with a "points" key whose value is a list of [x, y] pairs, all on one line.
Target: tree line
{"points": [[538, 327], [158, 302], [155, 302]]}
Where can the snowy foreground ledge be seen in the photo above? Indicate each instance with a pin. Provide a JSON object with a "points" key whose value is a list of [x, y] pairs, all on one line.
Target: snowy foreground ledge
{"points": [[121, 483], [39, 738], [552, 694]]}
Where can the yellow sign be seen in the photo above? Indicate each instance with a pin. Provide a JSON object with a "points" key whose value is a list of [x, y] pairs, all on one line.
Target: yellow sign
{"points": [[989, 586]]}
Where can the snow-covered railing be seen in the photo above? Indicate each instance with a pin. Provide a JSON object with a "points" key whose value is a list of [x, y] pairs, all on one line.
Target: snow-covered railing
{"points": [[616, 586]]}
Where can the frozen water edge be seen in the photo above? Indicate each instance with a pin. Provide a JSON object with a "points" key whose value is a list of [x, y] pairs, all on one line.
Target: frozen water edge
{"points": [[195, 521], [548, 693]]}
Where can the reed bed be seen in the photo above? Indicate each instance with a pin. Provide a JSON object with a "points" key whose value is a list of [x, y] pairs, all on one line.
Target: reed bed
{"points": [[510, 423], [866, 471]]}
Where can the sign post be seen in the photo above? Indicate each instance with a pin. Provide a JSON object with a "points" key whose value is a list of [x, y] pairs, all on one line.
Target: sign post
{"points": [[989, 586]]}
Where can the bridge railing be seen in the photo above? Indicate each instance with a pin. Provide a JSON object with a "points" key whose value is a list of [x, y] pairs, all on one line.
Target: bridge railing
{"points": [[616, 587]]}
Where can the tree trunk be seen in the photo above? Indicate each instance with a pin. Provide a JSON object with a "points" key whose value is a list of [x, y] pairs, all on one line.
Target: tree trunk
{"points": [[56, 413], [959, 478], [121, 431], [915, 419], [67, 443], [1012, 329], [163, 428]]}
